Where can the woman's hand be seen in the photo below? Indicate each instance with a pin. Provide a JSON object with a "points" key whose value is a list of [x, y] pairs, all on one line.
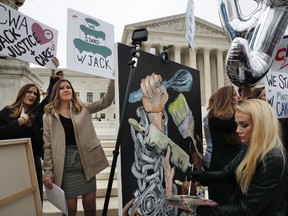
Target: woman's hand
{"points": [[47, 181], [135, 212], [55, 62], [23, 119]]}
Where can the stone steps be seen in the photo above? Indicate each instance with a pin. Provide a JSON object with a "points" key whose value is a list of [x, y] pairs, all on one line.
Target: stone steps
{"points": [[102, 182], [104, 175], [51, 210], [101, 188]]}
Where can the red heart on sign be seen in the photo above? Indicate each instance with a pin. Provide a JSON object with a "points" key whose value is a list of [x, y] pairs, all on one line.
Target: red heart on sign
{"points": [[43, 35]]}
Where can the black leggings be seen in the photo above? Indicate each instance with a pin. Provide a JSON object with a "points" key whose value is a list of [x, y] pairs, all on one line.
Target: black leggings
{"points": [[38, 167]]}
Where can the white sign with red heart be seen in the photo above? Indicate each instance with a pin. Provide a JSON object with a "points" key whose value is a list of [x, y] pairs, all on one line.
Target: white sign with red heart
{"points": [[26, 39]]}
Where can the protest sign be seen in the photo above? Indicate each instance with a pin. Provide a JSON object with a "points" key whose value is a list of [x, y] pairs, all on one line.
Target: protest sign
{"points": [[26, 39], [276, 81], [90, 45]]}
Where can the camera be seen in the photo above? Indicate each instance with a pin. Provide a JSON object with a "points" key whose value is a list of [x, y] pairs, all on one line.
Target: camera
{"points": [[139, 35]]}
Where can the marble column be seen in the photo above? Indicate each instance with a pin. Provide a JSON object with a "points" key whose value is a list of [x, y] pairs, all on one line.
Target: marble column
{"points": [[192, 58], [220, 68], [151, 49], [207, 75], [177, 54], [146, 47], [160, 48]]}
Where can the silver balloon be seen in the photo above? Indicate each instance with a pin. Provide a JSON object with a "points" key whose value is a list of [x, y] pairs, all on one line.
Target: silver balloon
{"points": [[234, 23], [254, 39]]}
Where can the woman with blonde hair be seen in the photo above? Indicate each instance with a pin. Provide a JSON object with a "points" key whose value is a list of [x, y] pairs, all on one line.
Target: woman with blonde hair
{"points": [[225, 141], [258, 174]]}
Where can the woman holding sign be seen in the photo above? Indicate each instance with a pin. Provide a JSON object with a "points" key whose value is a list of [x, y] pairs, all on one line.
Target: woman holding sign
{"points": [[72, 151]]}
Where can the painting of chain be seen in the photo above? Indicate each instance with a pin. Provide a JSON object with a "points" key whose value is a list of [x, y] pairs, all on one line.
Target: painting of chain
{"points": [[165, 144]]}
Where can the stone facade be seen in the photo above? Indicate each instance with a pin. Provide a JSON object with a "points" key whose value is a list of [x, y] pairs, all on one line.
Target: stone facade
{"points": [[13, 3], [14, 74]]}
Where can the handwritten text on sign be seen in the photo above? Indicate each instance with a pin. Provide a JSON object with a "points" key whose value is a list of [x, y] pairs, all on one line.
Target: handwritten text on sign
{"points": [[277, 92], [276, 80], [90, 45], [26, 39]]}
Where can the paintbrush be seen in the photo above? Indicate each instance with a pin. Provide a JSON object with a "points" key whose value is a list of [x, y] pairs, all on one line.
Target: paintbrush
{"points": [[183, 118]]}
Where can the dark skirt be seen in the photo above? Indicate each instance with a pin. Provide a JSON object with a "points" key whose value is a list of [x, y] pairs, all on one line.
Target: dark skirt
{"points": [[74, 182]]}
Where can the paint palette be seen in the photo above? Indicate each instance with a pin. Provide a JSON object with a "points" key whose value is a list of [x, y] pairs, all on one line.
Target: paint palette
{"points": [[188, 202]]}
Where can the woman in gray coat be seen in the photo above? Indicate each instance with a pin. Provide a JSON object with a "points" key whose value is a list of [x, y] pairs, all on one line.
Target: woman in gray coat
{"points": [[73, 154]]}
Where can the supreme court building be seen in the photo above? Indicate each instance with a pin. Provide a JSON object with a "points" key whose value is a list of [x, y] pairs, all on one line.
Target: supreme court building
{"points": [[208, 56]]}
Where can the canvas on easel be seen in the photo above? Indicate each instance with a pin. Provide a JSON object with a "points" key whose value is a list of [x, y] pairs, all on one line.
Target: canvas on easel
{"points": [[18, 183], [156, 152]]}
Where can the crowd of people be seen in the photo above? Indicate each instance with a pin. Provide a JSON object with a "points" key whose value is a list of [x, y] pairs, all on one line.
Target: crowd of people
{"points": [[244, 165], [66, 149], [245, 160], [257, 176]]}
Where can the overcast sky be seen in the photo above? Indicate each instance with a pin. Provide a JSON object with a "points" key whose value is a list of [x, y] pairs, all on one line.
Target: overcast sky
{"points": [[116, 12]]}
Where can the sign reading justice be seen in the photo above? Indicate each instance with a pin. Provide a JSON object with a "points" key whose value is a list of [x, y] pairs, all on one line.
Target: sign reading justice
{"points": [[26, 39]]}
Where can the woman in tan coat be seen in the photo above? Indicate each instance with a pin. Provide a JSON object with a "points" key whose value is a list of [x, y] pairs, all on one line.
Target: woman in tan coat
{"points": [[73, 154]]}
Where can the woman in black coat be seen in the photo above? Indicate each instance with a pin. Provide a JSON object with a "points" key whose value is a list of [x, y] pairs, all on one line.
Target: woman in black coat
{"points": [[225, 141], [258, 175], [23, 119]]}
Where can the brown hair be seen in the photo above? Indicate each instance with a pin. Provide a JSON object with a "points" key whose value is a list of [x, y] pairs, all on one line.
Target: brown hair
{"points": [[222, 106], [16, 107], [257, 92], [210, 101], [54, 103]]}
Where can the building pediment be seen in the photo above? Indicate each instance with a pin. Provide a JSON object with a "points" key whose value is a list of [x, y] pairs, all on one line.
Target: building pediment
{"points": [[176, 25]]}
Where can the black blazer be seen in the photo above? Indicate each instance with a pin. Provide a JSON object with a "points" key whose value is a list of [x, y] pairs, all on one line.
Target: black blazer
{"points": [[266, 194], [10, 129]]}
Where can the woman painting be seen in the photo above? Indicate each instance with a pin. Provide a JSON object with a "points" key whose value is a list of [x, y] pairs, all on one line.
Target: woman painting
{"points": [[259, 173]]}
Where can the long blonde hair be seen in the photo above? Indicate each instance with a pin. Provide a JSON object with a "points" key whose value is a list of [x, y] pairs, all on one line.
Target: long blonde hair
{"points": [[54, 103], [264, 138], [222, 106]]}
